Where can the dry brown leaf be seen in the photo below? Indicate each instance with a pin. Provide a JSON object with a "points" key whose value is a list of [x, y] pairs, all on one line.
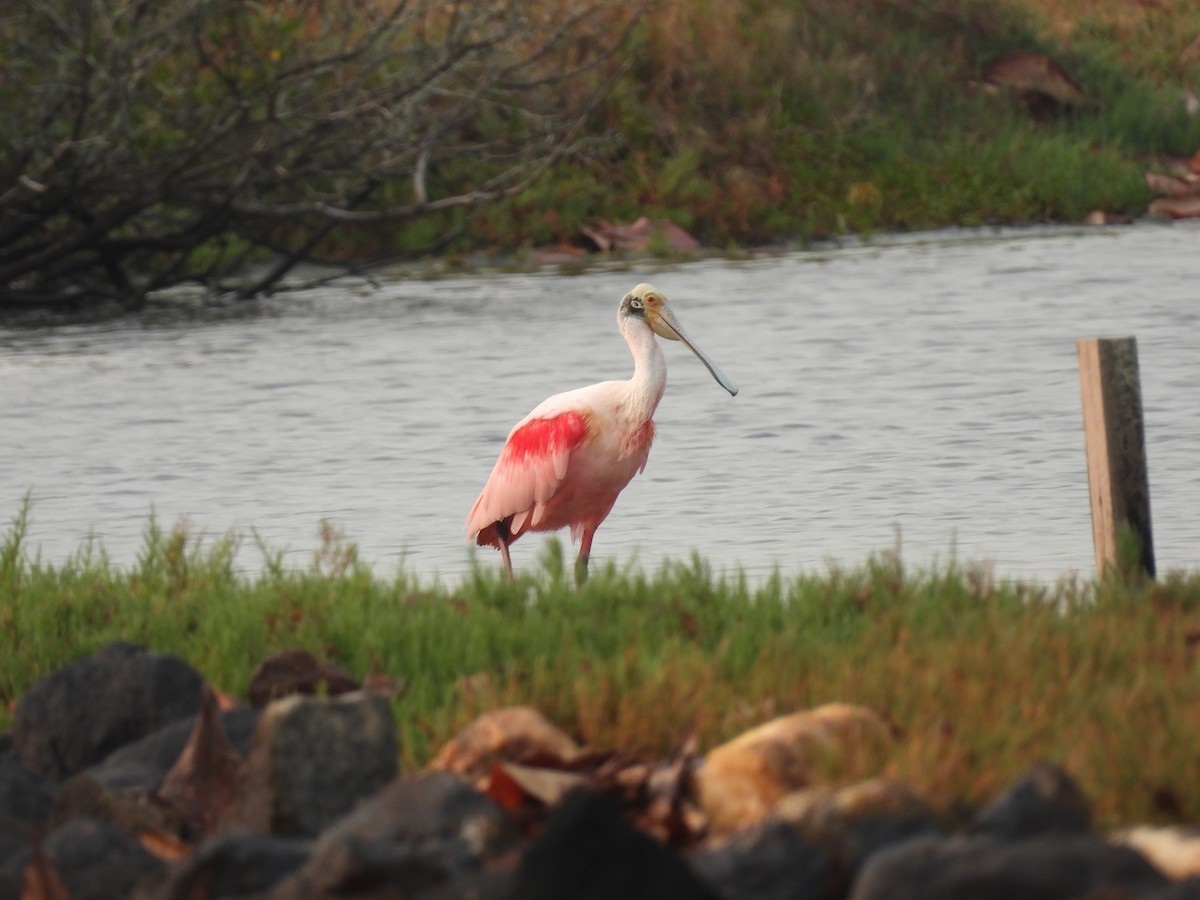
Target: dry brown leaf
{"points": [[203, 781], [517, 734], [546, 786], [164, 845], [39, 880]]}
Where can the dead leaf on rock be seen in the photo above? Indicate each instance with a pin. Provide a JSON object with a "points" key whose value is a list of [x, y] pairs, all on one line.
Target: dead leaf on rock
{"points": [[203, 781], [515, 734], [513, 781], [671, 811]]}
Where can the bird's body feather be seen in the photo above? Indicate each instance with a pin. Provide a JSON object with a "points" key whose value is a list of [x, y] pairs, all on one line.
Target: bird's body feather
{"points": [[564, 465]]}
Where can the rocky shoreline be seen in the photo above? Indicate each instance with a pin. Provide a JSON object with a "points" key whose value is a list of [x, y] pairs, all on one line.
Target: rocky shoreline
{"points": [[124, 776]]}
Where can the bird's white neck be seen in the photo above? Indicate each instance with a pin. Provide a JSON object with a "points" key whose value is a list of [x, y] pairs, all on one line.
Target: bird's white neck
{"points": [[649, 370]]}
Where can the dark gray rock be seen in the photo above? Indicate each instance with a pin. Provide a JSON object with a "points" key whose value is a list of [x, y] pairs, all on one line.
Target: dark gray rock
{"points": [[854, 821], [237, 864], [770, 862], [418, 834], [1049, 867], [79, 714], [16, 849], [24, 796], [589, 851], [142, 766], [121, 789], [1044, 800], [493, 884], [96, 861], [1188, 889], [312, 760]]}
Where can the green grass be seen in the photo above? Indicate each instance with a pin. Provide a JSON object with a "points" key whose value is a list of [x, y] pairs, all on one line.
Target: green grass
{"points": [[980, 678], [748, 122]]}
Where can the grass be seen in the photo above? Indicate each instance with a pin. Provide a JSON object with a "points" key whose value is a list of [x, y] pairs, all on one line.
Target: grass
{"points": [[979, 678]]}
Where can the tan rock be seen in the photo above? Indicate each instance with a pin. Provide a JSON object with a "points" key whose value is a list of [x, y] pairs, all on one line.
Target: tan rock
{"points": [[1174, 850], [1033, 72], [740, 782], [817, 806], [515, 734], [1185, 207]]}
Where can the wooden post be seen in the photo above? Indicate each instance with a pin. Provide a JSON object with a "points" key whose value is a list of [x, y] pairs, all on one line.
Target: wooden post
{"points": [[1116, 448]]}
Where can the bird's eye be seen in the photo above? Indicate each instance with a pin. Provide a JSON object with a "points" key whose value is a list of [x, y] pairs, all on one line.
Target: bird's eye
{"points": [[652, 300]]}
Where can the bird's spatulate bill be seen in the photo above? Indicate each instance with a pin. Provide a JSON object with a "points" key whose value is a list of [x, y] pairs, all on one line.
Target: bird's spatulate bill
{"points": [[672, 330]]}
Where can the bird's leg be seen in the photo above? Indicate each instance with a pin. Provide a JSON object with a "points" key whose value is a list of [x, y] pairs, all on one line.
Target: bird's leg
{"points": [[505, 537], [581, 563]]}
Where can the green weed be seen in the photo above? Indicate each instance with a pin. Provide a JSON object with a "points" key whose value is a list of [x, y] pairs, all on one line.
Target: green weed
{"points": [[979, 677]]}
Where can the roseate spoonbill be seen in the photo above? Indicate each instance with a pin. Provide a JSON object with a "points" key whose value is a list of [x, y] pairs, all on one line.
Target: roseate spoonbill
{"points": [[565, 463]]}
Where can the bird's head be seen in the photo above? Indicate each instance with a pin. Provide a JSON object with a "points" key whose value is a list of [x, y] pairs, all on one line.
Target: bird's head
{"points": [[648, 304]]}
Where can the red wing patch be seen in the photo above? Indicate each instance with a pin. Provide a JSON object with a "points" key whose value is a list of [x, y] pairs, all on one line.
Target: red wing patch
{"points": [[545, 437]]}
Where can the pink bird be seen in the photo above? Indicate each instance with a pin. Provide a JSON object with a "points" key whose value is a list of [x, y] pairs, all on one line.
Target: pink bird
{"points": [[566, 462]]}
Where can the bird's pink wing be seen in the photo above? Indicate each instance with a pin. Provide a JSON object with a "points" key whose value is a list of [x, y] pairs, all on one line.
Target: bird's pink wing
{"points": [[530, 469]]}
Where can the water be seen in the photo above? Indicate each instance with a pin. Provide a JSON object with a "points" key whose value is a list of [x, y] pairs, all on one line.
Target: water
{"points": [[918, 392]]}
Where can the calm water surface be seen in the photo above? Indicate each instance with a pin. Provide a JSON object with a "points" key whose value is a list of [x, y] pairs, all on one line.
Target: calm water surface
{"points": [[921, 390]]}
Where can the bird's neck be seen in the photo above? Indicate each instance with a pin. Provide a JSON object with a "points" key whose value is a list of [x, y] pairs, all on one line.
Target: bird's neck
{"points": [[649, 371]]}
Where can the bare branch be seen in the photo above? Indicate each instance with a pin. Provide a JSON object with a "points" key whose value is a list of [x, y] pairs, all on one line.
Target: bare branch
{"points": [[160, 141]]}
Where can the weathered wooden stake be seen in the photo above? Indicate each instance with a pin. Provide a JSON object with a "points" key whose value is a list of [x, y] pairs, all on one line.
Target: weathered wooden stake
{"points": [[1115, 439]]}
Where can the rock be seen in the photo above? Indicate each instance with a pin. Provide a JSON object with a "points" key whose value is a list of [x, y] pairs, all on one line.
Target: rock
{"points": [[16, 848], [770, 862], [1185, 207], [515, 734], [1038, 80], [588, 850], [1171, 185], [24, 796], [312, 760], [142, 766], [1044, 800], [121, 789], [25, 804], [82, 712], [297, 672], [858, 820], [1049, 867], [740, 781], [417, 834], [1175, 850], [96, 861], [1182, 890], [237, 864], [639, 236], [1101, 217]]}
